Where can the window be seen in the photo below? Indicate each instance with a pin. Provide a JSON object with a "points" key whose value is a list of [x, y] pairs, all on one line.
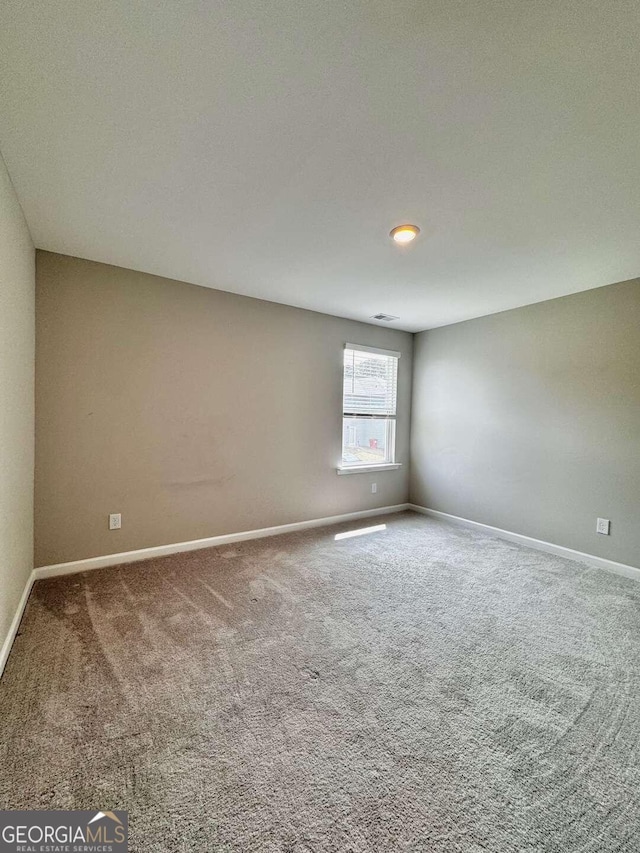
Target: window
{"points": [[369, 407]]}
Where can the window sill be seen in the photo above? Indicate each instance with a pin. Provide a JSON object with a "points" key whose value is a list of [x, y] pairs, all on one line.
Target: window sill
{"points": [[368, 469]]}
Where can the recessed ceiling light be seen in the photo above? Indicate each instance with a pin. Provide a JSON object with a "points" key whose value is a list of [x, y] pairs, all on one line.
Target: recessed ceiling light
{"points": [[404, 233]]}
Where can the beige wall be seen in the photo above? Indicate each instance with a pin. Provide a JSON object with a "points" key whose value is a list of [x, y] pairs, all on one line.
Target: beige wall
{"points": [[191, 411], [16, 402], [529, 420]]}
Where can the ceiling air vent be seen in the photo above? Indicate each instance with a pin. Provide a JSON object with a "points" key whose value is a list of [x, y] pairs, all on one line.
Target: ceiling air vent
{"points": [[386, 317]]}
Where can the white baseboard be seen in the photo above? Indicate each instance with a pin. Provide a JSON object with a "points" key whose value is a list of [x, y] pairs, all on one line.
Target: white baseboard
{"points": [[538, 544], [15, 622], [209, 542]]}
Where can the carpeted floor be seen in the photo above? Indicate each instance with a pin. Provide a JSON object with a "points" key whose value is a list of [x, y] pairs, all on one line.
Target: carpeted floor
{"points": [[422, 688]]}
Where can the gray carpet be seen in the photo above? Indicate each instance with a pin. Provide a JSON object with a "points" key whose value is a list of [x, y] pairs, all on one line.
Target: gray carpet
{"points": [[421, 688]]}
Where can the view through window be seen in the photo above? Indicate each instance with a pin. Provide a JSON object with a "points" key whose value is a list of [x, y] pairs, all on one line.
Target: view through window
{"points": [[369, 406]]}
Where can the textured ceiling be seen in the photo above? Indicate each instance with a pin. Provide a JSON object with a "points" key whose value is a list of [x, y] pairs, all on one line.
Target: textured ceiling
{"points": [[267, 148]]}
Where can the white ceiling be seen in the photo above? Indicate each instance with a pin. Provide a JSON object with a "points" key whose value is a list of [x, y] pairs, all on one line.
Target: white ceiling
{"points": [[267, 147]]}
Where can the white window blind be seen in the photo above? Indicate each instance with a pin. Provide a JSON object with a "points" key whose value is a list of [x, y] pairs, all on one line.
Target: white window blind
{"points": [[370, 382]]}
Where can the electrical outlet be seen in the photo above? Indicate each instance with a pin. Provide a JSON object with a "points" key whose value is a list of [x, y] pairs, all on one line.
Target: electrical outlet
{"points": [[115, 521], [374, 488], [603, 526]]}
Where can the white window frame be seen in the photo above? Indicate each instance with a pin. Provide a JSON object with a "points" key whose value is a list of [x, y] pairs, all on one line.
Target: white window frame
{"points": [[388, 464]]}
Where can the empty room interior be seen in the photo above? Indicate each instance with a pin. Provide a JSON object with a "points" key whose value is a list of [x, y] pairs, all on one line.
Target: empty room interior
{"points": [[320, 426]]}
